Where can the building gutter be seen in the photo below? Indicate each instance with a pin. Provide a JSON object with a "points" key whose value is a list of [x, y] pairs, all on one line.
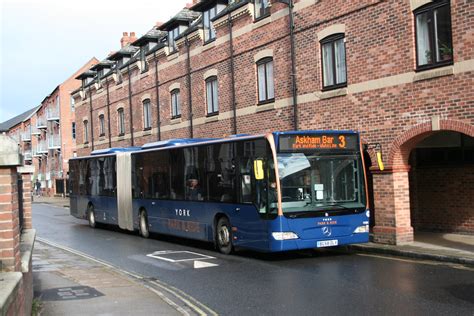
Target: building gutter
{"points": [[293, 65], [130, 104], [190, 98], [157, 83], [108, 112], [232, 74], [92, 119]]}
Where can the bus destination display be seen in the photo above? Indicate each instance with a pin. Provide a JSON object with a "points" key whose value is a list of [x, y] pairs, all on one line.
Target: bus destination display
{"points": [[303, 142]]}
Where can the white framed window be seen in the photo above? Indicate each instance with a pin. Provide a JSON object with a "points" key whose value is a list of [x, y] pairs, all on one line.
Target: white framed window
{"points": [[212, 96], [86, 131], [146, 114], [266, 90], [333, 60], [209, 31], [121, 121], [175, 104], [101, 125], [433, 35]]}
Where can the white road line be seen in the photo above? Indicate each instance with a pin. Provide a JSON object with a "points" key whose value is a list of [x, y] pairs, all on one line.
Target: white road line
{"points": [[158, 255]]}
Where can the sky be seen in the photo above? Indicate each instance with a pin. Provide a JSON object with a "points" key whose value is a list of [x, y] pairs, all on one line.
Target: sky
{"points": [[43, 42]]}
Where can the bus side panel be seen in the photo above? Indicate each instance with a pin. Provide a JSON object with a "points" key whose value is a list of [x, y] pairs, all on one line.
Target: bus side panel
{"points": [[124, 191], [250, 230]]}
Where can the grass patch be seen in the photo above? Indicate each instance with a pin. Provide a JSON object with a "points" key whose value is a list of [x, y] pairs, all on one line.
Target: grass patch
{"points": [[36, 307]]}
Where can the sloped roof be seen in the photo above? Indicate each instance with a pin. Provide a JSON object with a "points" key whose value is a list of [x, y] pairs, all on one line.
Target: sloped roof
{"points": [[7, 125], [185, 15]]}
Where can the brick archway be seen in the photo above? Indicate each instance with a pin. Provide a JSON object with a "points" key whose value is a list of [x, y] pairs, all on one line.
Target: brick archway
{"points": [[392, 187], [403, 144]]}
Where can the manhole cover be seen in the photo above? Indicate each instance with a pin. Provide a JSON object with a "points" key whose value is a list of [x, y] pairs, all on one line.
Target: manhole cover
{"points": [[70, 293]]}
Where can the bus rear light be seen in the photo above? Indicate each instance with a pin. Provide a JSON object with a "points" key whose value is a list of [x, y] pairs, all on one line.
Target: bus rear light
{"points": [[362, 229], [284, 235]]}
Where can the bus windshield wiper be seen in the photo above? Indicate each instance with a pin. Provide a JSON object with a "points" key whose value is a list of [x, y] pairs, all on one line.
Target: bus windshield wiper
{"points": [[334, 205]]}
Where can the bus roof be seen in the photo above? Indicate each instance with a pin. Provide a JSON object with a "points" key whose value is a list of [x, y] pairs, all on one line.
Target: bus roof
{"points": [[113, 150], [175, 142]]}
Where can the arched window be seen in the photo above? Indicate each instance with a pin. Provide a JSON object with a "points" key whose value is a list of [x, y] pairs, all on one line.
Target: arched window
{"points": [[175, 104], [212, 96], [433, 35], [121, 122], [266, 92], [146, 114], [333, 61]]}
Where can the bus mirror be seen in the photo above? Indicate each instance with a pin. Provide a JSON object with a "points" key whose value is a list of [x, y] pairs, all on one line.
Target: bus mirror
{"points": [[258, 169], [379, 161]]}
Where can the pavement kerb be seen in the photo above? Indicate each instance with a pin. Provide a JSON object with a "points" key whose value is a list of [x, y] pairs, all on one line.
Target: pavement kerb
{"points": [[188, 301], [410, 254]]}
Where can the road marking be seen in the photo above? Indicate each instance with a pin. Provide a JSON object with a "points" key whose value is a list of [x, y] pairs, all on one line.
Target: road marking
{"points": [[188, 300], [202, 264], [161, 255]]}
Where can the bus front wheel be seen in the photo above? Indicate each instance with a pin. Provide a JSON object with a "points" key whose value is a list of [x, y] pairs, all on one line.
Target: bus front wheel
{"points": [[144, 232], [224, 236], [91, 216]]}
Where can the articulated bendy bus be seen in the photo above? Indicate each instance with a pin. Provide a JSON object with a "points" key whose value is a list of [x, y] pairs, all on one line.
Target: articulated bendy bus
{"points": [[274, 192]]}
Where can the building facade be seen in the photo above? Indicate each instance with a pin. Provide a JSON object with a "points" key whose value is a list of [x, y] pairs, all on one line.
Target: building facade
{"points": [[399, 72], [46, 135]]}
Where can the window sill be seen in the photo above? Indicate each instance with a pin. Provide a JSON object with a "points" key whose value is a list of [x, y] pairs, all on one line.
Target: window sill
{"points": [[261, 21], [332, 93], [214, 117], [175, 120], [265, 107], [434, 73], [146, 131], [209, 44], [172, 55]]}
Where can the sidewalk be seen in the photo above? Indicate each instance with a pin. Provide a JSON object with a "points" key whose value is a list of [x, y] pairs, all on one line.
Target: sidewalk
{"points": [[57, 201], [454, 248], [68, 284]]}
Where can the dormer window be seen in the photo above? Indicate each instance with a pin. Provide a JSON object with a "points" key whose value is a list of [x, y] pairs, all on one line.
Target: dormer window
{"points": [[119, 63], [172, 35], [262, 9], [143, 50], [209, 31]]}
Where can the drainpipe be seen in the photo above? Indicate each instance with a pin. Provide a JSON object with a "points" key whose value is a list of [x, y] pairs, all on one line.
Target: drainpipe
{"points": [[190, 98], [232, 74], [290, 4], [108, 113], [92, 119], [157, 82], [130, 103]]}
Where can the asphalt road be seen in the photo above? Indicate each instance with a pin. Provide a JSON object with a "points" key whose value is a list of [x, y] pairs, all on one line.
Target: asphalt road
{"points": [[248, 283]]}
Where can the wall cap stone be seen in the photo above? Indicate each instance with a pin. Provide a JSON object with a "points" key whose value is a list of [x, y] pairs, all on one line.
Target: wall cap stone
{"points": [[9, 289], [9, 152]]}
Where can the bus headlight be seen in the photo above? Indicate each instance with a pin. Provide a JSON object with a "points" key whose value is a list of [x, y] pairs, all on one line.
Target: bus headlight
{"points": [[362, 229], [284, 235]]}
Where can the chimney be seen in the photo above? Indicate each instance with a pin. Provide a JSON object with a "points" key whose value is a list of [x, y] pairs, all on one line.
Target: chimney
{"points": [[158, 24], [127, 39], [189, 5]]}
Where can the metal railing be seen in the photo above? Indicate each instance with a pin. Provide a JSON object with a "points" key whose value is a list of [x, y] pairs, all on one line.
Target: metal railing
{"points": [[41, 147], [26, 136], [27, 155], [41, 122], [52, 113], [35, 131], [54, 141]]}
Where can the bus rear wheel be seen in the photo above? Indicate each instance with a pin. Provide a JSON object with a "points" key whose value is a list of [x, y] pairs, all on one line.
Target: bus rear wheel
{"points": [[91, 216], [224, 236], [143, 225]]}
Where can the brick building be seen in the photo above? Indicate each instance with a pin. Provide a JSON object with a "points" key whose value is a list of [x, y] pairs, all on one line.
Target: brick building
{"points": [[399, 72], [46, 134]]}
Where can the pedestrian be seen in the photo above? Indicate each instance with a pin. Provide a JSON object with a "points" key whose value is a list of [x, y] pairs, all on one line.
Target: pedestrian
{"points": [[38, 187]]}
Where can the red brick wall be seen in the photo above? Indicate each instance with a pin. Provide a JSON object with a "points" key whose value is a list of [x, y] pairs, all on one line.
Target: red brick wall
{"points": [[441, 204]]}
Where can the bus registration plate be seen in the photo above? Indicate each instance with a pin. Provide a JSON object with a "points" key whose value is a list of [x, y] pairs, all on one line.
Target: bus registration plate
{"points": [[327, 243]]}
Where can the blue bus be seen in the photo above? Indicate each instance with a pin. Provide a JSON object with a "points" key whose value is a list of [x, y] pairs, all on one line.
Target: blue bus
{"points": [[275, 192]]}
